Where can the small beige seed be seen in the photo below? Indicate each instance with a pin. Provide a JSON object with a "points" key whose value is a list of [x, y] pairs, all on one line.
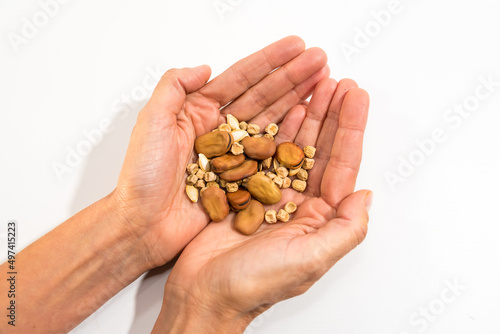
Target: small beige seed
{"points": [[272, 129], [308, 163], [267, 135], [282, 171], [270, 217], [192, 179], [204, 163], [290, 207], [192, 193], [299, 185], [302, 174], [293, 172], [237, 149], [257, 136], [279, 181], [244, 182], [239, 182], [232, 122], [253, 129], [271, 175], [243, 126], [212, 184], [200, 174], [192, 169], [309, 151], [261, 172], [287, 182], [283, 216], [222, 182], [200, 184], [231, 187], [224, 127], [210, 177], [266, 164]]}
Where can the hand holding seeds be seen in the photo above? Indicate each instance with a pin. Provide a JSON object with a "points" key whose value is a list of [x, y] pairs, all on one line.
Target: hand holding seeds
{"points": [[294, 216]]}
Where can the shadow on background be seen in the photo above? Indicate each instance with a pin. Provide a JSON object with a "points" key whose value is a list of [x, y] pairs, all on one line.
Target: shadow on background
{"points": [[99, 177]]}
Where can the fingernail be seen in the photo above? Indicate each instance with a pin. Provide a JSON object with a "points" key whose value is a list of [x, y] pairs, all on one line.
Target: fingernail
{"points": [[368, 201]]}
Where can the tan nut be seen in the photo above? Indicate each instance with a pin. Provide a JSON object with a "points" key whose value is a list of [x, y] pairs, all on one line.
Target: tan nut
{"points": [[266, 163], [226, 161], [249, 220], [282, 171], [200, 174], [270, 217], [283, 216], [308, 164], [239, 199], [213, 144], [210, 177], [286, 182], [302, 174], [279, 181], [309, 151], [237, 149], [299, 185], [290, 155], [214, 203], [192, 169], [243, 126], [272, 129], [290, 207], [257, 136], [232, 187], [192, 179], [200, 184], [253, 129], [271, 175], [264, 189], [222, 183], [246, 169], [258, 148], [192, 193], [212, 184], [268, 136]]}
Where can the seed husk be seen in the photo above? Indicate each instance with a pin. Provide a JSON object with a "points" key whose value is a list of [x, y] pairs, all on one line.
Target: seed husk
{"points": [[264, 189], [249, 220], [214, 203], [192, 193], [290, 155], [246, 169], [214, 144], [227, 161], [232, 122], [239, 200], [258, 148]]}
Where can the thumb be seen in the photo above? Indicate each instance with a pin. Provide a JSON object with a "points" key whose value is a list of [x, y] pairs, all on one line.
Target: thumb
{"points": [[343, 233], [170, 93]]}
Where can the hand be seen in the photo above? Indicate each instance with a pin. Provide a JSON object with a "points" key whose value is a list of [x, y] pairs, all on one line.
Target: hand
{"points": [[226, 279], [151, 188]]}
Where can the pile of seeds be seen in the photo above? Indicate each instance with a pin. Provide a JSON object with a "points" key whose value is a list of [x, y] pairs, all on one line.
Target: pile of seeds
{"points": [[242, 170]]}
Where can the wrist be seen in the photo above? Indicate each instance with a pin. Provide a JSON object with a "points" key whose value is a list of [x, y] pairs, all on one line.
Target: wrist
{"points": [[182, 312]]}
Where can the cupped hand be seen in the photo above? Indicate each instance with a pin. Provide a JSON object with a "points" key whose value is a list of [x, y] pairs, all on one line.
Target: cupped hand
{"points": [[232, 274], [151, 187]]}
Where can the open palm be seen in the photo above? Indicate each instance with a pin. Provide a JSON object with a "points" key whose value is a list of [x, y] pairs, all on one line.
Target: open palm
{"points": [[250, 273], [151, 186]]}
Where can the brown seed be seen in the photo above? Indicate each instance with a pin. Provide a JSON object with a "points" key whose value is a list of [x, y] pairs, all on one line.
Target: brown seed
{"points": [[213, 144], [246, 169], [264, 189], [258, 148], [290, 155], [214, 203], [239, 200], [249, 220], [227, 161]]}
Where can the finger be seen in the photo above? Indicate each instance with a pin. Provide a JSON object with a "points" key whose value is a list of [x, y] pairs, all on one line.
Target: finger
{"points": [[316, 113], [248, 71], [170, 93], [277, 111], [291, 124], [329, 129], [277, 84], [342, 169], [342, 234]]}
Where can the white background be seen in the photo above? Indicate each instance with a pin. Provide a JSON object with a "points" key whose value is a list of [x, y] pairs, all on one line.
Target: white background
{"points": [[439, 223]]}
